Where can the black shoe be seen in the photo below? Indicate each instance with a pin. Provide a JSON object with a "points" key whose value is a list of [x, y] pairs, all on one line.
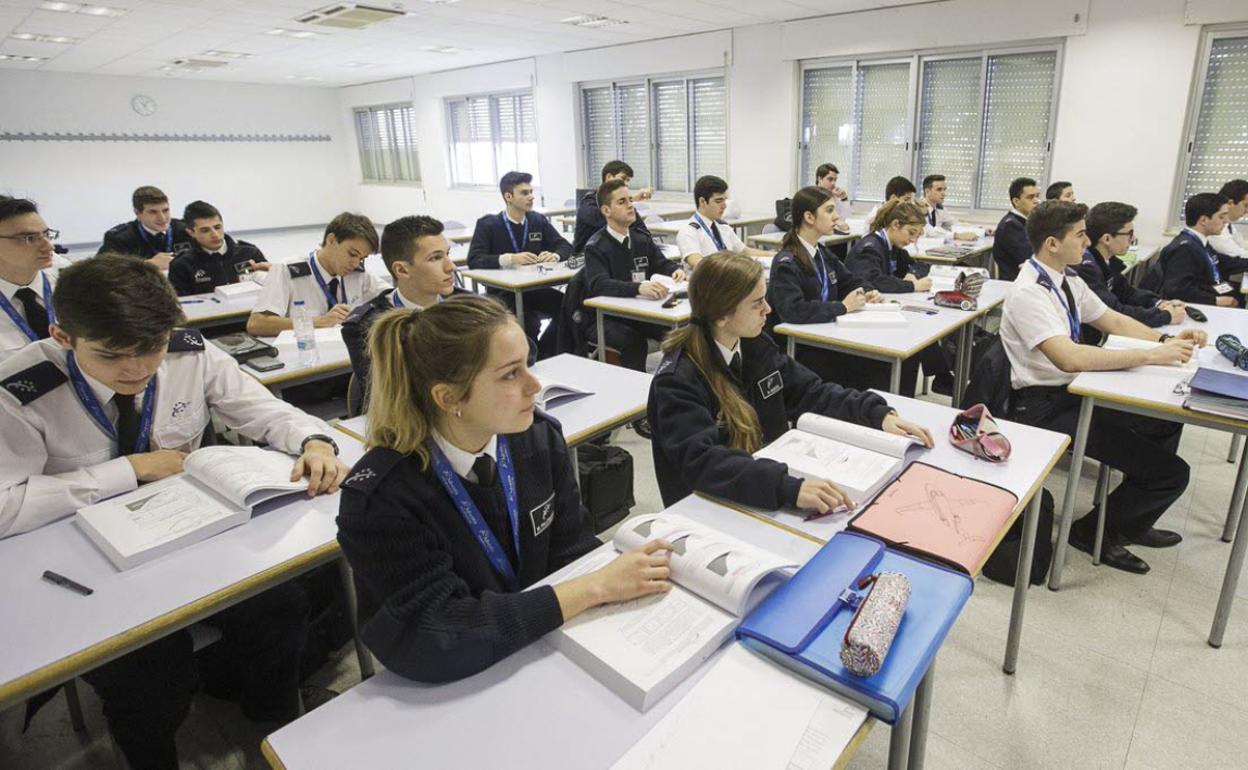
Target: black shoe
{"points": [[1112, 553], [942, 384], [1155, 538], [642, 427]]}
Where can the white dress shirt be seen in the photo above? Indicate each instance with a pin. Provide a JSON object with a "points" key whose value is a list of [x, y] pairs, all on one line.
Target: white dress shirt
{"points": [[1033, 314], [463, 461], [281, 290], [13, 339], [697, 240]]}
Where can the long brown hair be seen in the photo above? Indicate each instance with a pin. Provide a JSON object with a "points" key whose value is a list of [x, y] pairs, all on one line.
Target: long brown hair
{"points": [[897, 210], [720, 282], [413, 350], [807, 199]]}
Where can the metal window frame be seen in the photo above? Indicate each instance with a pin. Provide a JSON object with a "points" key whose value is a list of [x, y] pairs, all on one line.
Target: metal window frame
{"points": [[491, 98], [1200, 76], [388, 112]]}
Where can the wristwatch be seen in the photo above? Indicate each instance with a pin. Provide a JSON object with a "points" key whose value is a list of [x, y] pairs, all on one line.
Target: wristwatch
{"points": [[318, 437], [1165, 337]]}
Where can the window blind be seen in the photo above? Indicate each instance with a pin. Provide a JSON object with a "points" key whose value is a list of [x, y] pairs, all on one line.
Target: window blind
{"points": [[881, 151], [949, 118], [1018, 102], [827, 120], [671, 135], [491, 135], [710, 128], [1219, 149], [386, 139], [632, 117]]}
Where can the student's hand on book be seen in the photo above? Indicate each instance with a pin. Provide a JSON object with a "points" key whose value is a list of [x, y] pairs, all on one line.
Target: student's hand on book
{"points": [[259, 265], [874, 297], [640, 572], [525, 258], [1198, 337], [154, 466], [1226, 302], [652, 290], [161, 260], [1172, 352], [548, 256], [322, 467], [336, 315], [899, 427], [822, 497], [921, 284], [855, 300], [678, 276]]}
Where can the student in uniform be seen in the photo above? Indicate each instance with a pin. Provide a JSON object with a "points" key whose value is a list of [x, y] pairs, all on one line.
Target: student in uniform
{"points": [[880, 258], [214, 258], [518, 236], [1188, 268], [825, 177], [621, 263], [330, 282], [940, 223], [1041, 331], [1010, 248], [152, 235], [116, 397], [1111, 231], [724, 390], [465, 499], [26, 275], [589, 218], [898, 188], [1060, 191], [705, 232], [1231, 241]]}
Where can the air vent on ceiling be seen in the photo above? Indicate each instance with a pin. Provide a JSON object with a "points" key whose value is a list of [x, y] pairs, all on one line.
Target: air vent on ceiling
{"points": [[348, 16], [198, 64]]}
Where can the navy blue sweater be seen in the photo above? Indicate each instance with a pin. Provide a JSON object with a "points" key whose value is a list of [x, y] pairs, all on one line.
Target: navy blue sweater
{"points": [[490, 239]]}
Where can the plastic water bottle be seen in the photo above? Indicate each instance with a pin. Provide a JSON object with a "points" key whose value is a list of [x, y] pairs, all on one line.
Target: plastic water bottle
{"points": [[305, 334]]}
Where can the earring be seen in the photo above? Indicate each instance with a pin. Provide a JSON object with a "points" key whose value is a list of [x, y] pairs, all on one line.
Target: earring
{"points": [[459, 413]]}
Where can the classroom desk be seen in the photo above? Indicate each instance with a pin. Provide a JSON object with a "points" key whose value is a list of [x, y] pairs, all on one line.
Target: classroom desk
{"points": [[52, 635], [518, 280], [524, 700], [1151, 392], [981, 251], [617, 397], [857, 229], [637, 309], [897, 343], [332, 361], [204, 311], [742, 223]]}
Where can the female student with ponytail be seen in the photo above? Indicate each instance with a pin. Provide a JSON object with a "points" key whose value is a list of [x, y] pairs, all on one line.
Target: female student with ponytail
{"points": [[466, 498], [880, 257], [723, 390]]}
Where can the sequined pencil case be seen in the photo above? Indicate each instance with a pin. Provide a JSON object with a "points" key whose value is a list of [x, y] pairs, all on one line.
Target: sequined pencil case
{"points": [[871, 631]]}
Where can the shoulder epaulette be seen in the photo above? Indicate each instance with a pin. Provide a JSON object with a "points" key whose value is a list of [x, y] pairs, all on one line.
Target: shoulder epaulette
{"points": [[695, 225], [186, 341], [299, 269], [366, 474], [380, 302], [39, 380], [669, 362]]}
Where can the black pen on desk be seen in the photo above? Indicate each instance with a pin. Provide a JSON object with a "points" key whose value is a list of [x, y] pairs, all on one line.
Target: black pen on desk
{"points": [[191, 301], [214, 299], [65, 582]]}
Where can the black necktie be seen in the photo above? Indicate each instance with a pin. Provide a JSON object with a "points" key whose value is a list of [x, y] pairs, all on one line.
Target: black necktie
{"points": [[719, 239], [1070, 301], [625, 244], [932, 217], [333, 292], [734, 366], [36, 314], [484, 468], [127, 423]]}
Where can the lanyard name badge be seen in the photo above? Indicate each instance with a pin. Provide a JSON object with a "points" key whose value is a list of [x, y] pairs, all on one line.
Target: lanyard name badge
{"points": [[87, 398], [330, 299], [20, 321], [524, 238], [888, 249], [711, 231], [168, 235], [1072, 313], [472, 517]]}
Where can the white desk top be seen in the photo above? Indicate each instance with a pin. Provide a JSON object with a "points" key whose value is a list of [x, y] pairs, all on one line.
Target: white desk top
{"points": [[618, 396], [332, 360], [857, 229], [527, 277], [44, 625], [745, 220], [899, 341], [209, 309], [524, 699], [979, 246], [642, 309], [666, 210]]}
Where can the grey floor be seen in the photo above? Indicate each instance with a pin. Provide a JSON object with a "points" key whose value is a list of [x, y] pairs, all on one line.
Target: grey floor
{"points": [[1114, 670]]}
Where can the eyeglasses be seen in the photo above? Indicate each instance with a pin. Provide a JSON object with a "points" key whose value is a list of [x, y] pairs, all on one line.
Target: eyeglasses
{"points": [[30, 239], [1128, 234]]}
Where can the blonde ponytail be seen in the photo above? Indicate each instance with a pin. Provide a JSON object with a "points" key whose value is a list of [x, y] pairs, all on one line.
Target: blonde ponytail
{"points": [[905, 213]]}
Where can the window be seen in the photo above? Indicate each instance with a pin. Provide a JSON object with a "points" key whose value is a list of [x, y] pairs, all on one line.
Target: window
{"points": [[387, 141], [980, 118], [1217, 125], [491, 135], [671, 130]]}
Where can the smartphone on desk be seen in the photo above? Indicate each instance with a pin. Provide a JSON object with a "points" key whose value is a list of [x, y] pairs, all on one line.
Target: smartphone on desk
{"points": [[265, 363], [674, 299]]}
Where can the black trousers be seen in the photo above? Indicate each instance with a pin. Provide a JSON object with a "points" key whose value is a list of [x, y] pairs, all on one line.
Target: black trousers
{"points": [[539, 304], [630, 338], [146, 694], [1144, 449]]}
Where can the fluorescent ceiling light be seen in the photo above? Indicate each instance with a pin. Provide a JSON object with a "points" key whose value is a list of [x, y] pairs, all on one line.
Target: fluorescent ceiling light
{"points": [[84, 8], [595, 22], [35, 37], [227, 54], [302, 34], [27, 59]]}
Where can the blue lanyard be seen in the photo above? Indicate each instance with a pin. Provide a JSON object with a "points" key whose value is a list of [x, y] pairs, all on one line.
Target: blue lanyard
{"points": [[330, 299], [1213, 263], [888, 250], [824, 283], [20, 321], [168, 235], [711, 231], [472, 517], [515, 247], [1072, 313], [87, 398]]}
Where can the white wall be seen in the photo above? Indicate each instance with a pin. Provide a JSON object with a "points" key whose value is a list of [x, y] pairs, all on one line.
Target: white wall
{"points": [[84, 188]]}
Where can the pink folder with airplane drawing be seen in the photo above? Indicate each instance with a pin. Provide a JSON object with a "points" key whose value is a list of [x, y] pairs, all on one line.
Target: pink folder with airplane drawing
{"points": [[938, 514]]}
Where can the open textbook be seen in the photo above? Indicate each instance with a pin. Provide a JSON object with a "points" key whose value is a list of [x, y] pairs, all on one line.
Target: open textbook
{"points": [[1203, 356], [858, 459], [643, 648], [874, 314], [217, 489], [673, 286], [555, 393]]}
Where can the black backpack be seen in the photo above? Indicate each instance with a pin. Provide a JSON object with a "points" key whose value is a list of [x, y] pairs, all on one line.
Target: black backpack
{"points": [[784, 214], [1003, 563], [606, 476]]}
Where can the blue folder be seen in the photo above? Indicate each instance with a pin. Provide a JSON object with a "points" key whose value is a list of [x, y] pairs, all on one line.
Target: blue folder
{"points": [[1221, 383], [802, 624]]}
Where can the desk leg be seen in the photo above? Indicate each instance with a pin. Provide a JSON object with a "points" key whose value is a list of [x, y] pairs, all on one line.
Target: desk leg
{"points": [[894, 376], [1236, 440], [602, 336], [1022, 580], [1103, 479], [348, 592], [1231, 580], [1072, 486], [1237, 501], [899, 741], [922, 715], [520, 307], [961, 364]]}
